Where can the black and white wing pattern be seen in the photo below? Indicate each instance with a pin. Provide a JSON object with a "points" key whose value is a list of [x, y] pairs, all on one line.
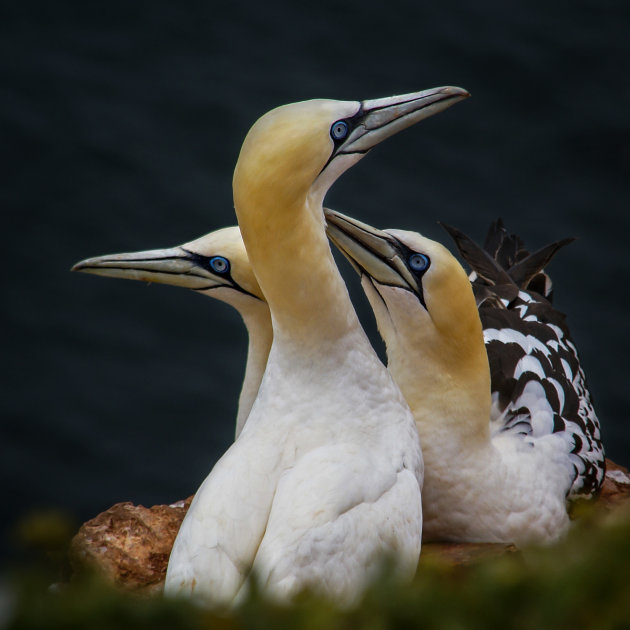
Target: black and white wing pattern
{"points": [[538, 384]]}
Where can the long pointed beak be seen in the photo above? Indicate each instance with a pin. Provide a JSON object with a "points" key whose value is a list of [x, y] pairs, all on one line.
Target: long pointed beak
{"points": [[371, 251], [381, 118], [175, 266]]}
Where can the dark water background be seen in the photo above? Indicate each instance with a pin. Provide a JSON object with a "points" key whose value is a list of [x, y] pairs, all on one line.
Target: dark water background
{"points": [[121, 125]]}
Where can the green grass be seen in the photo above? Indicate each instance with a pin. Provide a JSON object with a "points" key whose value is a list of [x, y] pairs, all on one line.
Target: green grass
{"points": [[581, 583]]}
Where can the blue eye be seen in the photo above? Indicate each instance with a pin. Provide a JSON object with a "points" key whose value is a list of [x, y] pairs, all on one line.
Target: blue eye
{"points": [[220, 264], [418, 262], [339, 130]]}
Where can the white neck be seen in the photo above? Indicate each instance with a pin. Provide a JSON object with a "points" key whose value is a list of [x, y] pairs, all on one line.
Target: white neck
{"points": [[257, 320]]}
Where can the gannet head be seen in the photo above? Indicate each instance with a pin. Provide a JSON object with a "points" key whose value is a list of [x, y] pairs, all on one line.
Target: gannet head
{"points": [[215, 264], [416, 280], [297, 151], [424, 306]]}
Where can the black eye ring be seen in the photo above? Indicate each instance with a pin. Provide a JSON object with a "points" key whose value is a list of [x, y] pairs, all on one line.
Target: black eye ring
{"points": [[219, 264], [339, 130], [418, 262]]}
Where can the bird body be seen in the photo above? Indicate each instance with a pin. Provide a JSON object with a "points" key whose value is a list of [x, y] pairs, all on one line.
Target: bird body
{"points": [[215, 265], [297, 491], [325, 477], [483, 482]]}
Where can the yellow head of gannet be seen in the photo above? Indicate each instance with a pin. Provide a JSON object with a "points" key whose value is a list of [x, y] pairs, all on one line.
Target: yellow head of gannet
{"points": [[424, 307], [478, 487], [215, 265], [289, 160], [326, 475]]}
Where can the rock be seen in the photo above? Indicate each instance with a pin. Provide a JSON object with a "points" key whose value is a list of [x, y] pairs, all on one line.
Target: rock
{"points": [[616, 487], [131, 544]]}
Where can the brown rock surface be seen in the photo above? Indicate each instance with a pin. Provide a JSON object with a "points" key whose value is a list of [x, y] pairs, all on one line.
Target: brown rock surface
{"points": [[616, 486], [131, 544]]}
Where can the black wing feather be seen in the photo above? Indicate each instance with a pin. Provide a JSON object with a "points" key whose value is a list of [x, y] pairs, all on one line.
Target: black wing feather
{"points": [[527, 337], [484, 265]]}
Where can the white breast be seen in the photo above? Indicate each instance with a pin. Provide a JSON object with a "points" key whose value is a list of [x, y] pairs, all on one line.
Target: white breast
{"points": [[321, 483]]}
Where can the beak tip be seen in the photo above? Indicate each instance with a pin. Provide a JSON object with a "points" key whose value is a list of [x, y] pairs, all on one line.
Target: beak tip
{"points": [[456, 91]]}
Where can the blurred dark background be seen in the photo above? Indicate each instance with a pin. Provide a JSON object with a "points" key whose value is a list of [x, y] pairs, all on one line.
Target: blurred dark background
{"points": [[120, 127]]}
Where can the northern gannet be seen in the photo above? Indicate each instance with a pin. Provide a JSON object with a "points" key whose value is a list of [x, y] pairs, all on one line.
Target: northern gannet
{"points": [[501, 461], [215, 265], [325, 477]]}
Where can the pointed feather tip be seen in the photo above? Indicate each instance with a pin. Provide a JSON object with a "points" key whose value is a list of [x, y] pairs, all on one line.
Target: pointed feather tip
{"points": [[566, 241], [479, 260], [453, 231], [497, 227]]}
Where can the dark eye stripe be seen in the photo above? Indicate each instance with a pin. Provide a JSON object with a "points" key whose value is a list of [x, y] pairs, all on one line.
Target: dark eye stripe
{"points": [[205, 263]]}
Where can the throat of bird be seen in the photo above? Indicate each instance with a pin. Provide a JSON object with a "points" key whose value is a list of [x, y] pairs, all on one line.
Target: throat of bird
{"points": [[258, 323], [448, 391], [291, 258]]}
